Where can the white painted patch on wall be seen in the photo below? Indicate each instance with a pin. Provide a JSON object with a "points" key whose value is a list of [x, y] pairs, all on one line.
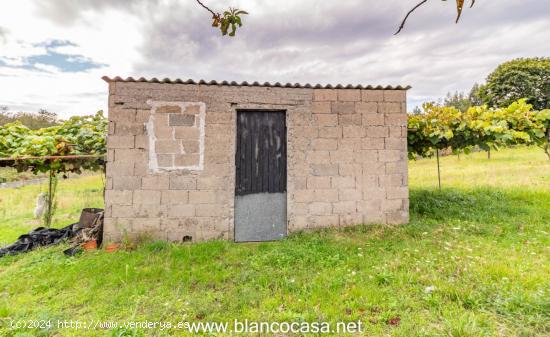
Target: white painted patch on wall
{"points": [[150, 127]]}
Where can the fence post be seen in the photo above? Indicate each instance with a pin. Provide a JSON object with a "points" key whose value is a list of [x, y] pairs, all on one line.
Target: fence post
{"points": [[438, 169]]}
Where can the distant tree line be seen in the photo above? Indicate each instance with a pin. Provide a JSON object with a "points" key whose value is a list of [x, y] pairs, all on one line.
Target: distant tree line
{"points": [[523, 78], [32, 120]]}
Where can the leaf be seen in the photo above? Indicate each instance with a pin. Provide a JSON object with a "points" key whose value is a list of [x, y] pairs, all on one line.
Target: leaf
{"points": [[459, 6]]}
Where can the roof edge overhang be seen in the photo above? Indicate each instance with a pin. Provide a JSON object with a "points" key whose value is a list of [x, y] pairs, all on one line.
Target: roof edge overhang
{"points": [[255, 84]]}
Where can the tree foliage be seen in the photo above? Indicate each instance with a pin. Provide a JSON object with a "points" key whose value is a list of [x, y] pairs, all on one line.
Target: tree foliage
{"points": [[527, 78], [442, 127], [76, 136], [228, 21]]}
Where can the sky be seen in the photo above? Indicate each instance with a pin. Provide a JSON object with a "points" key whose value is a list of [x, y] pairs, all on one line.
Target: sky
{"points": [[53, 53]]}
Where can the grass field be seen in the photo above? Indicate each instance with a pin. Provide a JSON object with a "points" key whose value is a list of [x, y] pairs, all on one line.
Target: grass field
{"points": [[474, 261]]}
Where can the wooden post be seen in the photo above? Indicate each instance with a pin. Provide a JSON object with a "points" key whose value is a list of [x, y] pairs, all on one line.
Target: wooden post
{"points": [[438, 169], [48, 219]]}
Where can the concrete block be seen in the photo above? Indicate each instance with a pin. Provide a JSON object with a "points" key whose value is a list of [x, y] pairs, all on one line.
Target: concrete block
{"points": [[210, 210], [325, 119], [314, 183], [350, 194], [344, 207], [167, 146], [372, 95], [398, 119], [212, 183], [325, 95], [372, 143], [146, 197], [118, 197], [323, 221], [183, 183], [181, 120], [174, 197], [321, 107], [373, 119], [377, 131], [318, 157], [320, 208], [188, 133], [397, 193], [395, 144], [349, 95], [202, 197], [126, 183], [176, 211], [354, 131], [171, 109], [120, 169], [324, 169], [155, 182], [350, 219], [389, 108], [343, 107], [343, 182], [391, 180], [186, 159], [330, 132], [395, 95], [342, 156], [366, 107], [390, 155], [120, 142], [324, 144], [349, 120]]}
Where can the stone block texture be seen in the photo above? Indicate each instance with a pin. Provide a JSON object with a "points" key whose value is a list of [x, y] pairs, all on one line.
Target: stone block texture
{"points": [[171, 157]]}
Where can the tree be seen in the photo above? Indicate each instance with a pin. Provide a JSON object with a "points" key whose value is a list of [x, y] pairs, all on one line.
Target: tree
{"points": [[474, 97], [41, 119], [458, 100], [527, 78]]}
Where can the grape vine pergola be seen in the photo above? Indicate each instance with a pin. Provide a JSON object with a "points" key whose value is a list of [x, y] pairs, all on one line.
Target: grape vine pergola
{"points": [[73, 146]]}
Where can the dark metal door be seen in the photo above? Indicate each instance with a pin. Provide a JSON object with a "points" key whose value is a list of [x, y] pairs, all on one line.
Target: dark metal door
{"points": [[260, 189]]}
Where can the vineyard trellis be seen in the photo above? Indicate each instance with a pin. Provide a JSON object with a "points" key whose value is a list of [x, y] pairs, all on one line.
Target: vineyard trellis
{"points": [[480, 127], [73, 146]]}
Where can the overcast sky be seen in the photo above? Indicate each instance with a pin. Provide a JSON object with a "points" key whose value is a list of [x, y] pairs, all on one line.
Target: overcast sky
{"points": [[54, 52]]}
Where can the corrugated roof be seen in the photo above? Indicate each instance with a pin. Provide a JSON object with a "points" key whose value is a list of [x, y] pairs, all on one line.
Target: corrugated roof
{"points": [[256, 84]]}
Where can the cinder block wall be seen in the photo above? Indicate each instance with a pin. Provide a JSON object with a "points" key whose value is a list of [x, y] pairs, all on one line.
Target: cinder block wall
{"points": [[171, 157]]}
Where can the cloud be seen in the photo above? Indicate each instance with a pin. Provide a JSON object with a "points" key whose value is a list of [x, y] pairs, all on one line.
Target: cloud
{"points": [[287, 41], [49, 59]]}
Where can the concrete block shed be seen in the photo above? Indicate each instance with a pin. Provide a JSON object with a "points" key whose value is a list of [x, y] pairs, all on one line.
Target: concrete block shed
{"points": [[193, 161]]}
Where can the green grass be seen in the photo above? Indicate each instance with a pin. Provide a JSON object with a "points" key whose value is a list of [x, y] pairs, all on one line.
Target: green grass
{"points": [[482, 242]]}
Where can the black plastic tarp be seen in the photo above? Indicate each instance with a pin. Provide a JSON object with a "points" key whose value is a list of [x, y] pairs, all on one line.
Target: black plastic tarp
{"points": [[40, 237]]}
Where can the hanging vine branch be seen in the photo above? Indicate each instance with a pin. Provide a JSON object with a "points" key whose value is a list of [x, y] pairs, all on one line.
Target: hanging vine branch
{"points": [[459, 7], [407, 16], [227, 22]]}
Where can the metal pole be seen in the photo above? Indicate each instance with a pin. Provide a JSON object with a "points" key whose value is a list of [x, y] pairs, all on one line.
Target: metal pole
{"points": [[438, 170]]}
